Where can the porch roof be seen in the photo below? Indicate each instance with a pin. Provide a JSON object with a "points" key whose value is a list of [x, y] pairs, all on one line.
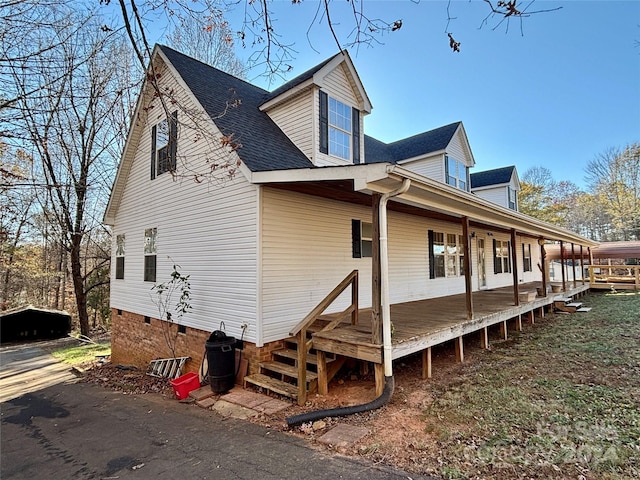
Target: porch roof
{"points": [[425, 197]]}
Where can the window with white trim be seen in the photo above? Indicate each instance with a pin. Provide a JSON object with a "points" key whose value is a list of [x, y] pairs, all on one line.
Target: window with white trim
{"points": [[513, 199], [150, 251], [446, 255], [164, 144], [526, 257], [120, 250], [456, 173], [460, 254], [438, 255], [451, 252], [339, 129], [361, 238], [501, 256]]}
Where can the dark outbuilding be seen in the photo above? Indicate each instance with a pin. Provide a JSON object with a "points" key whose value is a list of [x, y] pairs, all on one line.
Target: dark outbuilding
{"points": [[32, 323]]}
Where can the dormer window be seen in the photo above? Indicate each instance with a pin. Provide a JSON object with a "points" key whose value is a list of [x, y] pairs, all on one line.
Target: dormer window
{"points": [[339, 129], [456, 173]]}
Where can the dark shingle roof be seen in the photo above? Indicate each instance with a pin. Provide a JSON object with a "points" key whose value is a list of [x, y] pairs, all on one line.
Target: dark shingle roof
{"points": [[497, 176], [264, 146], [376, 151], [420, 144]]}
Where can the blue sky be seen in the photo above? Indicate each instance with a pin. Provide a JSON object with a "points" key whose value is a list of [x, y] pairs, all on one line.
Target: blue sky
{"points": [[566, 90]]}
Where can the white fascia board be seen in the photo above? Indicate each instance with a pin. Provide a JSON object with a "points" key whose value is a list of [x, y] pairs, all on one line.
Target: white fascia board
{"points": [[366, 102], [489, 187], [467, 144], [514, 176], [424, 156], [318, 80], [284, 96], [365, 172]]}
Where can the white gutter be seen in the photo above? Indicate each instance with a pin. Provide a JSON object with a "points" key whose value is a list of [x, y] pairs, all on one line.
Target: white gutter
{"points": [[384, 276]]}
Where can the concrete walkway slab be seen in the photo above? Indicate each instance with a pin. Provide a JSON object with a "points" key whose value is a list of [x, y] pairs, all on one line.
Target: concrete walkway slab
{"points": [[256, 401], [343, 435], [201, 393], [228, 409]]}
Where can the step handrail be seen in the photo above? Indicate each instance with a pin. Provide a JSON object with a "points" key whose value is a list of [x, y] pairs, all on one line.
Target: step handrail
{"points": [[350, 279], [300, 330]]}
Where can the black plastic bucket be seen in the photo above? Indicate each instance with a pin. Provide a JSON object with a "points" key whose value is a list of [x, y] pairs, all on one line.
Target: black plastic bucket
{"points": [[221, 359]]}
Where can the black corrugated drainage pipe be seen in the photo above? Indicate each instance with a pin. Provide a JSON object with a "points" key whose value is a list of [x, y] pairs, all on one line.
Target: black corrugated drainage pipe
{"points": [[389, 385]]}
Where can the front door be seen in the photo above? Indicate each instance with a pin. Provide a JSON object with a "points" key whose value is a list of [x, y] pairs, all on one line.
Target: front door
{"points": [[482, 272]]}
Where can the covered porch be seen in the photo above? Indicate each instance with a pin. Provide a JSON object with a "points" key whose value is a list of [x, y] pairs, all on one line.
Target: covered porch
{"points": [[481, 298]]}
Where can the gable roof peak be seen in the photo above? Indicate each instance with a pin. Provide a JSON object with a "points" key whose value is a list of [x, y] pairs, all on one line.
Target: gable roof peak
{"points": [[315, 76]]}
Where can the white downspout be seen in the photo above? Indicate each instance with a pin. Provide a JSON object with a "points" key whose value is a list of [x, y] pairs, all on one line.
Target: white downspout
{"points": [[385, 307]]}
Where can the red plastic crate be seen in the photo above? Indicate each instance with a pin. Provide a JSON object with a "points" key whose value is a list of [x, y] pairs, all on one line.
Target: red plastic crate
{"points": [[185, 384]]}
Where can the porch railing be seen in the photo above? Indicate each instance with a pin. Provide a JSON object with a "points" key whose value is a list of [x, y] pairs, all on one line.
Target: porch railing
{"points": [[615, 276], [300, 330]]}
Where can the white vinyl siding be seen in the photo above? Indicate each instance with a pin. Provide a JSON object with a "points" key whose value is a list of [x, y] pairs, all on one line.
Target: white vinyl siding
{"points": [[337, 85], [305, 256], [497, 195], [208, 229], [430, 167], [295, 119], [457, 149]]}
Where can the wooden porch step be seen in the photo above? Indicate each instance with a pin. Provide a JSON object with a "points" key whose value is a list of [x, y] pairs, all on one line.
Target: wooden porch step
{"points": [[289, 353], [272, 384], [288, 370], [567, 307], [562, 299], [584, 309]]}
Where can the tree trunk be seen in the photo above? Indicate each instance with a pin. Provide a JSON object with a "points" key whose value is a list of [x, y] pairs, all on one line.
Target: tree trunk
{"points": [[78, 283], [60, 281]]}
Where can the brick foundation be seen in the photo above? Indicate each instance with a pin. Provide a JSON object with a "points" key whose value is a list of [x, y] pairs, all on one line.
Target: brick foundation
{"points": [[136, 342]]}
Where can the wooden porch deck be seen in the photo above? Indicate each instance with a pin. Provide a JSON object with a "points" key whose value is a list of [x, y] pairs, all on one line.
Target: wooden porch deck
{"points": [[421, 324]]}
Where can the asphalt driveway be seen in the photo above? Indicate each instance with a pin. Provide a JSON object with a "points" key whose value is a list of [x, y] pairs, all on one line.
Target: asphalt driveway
{"points": [[28, 368], [82, 431]]}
